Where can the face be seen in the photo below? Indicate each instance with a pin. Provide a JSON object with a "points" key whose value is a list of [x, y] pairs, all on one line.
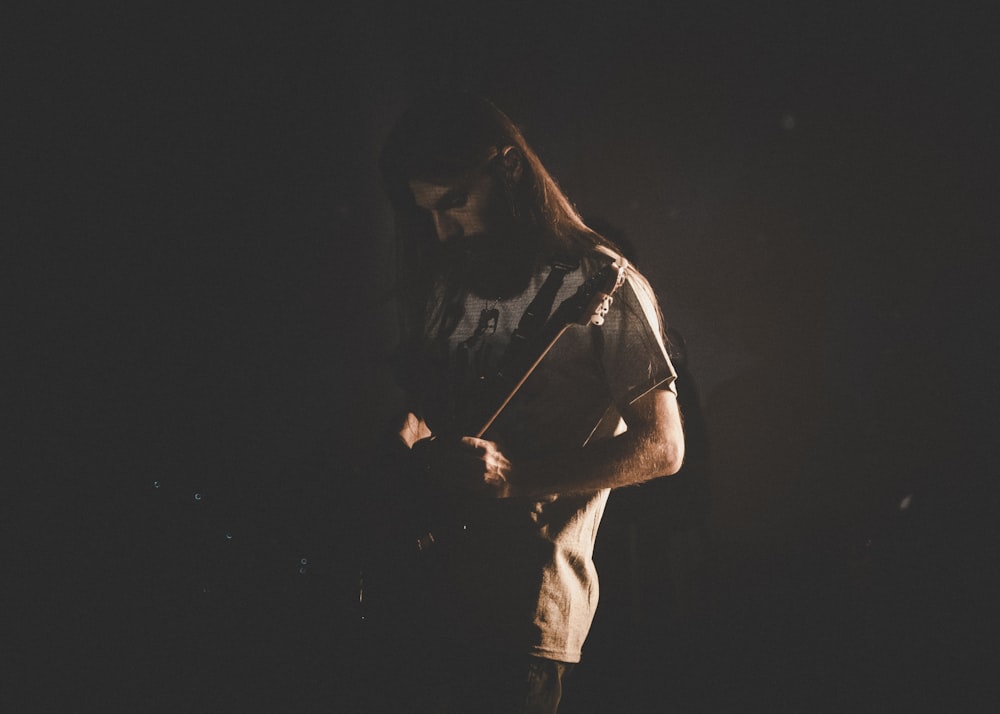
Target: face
{"points": [[473, 222], [464, 210]]}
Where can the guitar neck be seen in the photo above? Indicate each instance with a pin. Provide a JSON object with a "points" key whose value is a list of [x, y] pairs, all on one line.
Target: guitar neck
{"points": [[524, 378], [588, 306]]}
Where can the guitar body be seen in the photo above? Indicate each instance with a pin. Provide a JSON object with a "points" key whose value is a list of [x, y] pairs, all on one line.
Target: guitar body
{"points": [[419, 538]]}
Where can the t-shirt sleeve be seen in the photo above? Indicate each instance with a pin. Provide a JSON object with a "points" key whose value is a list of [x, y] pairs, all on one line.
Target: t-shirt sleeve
{"points": [[633, 353]]}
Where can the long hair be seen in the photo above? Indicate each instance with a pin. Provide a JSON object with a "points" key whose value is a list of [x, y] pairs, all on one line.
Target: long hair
{"points": [[441, 137]]}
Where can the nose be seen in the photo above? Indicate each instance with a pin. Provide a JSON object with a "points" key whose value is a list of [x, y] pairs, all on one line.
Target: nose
{"points": [[446, 227]]}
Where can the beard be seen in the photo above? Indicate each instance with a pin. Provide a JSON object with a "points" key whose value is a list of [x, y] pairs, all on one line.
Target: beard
{"points": [[495, 264]]}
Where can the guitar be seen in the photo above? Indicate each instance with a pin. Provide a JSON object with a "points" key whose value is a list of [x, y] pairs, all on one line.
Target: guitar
{"points": [[426, 522]]}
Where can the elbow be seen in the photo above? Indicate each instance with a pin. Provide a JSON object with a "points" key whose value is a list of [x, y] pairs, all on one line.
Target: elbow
{"points": [[663, 455], [673, 455], [670, 452]]}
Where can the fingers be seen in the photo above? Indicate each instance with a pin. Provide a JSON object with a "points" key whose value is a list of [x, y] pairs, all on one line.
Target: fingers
{"points": [[412, 430], [476, 444], [496, 475], [483, 467], [487, 453]]}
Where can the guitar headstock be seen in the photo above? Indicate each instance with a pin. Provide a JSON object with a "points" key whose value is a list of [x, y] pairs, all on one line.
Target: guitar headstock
{"points": [[595, 295]]}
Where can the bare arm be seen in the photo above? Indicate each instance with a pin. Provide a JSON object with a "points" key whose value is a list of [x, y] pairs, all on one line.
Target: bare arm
{"points": [[652, 446]]}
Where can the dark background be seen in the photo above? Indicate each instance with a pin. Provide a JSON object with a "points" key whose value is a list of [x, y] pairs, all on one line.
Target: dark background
{"points": [[199, 261]]}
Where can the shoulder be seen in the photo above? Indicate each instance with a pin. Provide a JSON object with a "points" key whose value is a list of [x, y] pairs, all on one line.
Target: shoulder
{"points": [[632, 280], [635, 301]]}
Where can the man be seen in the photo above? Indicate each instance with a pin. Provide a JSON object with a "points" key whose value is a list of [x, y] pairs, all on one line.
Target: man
{"points": [[491, 253]]}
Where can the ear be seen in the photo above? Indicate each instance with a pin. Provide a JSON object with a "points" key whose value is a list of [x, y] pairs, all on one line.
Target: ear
{"points": [[513, 163]]}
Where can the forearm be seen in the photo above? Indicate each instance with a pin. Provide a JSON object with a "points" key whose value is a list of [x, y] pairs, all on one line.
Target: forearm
{"points": [[611, 463], [633, 457]]}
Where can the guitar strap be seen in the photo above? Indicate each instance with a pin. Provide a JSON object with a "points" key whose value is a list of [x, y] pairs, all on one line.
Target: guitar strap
{"points": [[535, 315]]}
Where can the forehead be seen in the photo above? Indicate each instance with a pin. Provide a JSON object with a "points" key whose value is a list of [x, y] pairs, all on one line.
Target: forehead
{"points": [[431, 194]]}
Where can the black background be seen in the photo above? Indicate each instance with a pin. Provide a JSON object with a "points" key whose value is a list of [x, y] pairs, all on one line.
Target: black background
{"points": [[199, 263]]}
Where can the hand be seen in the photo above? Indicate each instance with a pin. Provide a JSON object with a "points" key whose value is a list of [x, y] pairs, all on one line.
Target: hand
{"points": [[468, 464]]}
